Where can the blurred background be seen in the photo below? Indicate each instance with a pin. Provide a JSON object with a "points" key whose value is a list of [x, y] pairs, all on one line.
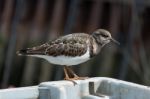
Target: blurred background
{"points": [[27, 23]]}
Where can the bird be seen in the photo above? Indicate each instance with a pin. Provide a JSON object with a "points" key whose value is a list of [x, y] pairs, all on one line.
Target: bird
{"points": [[71, 50]]}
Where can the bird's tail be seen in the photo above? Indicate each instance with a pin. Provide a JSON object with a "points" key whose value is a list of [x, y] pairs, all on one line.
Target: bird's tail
{"points": [[38, 50], [25, 52]]}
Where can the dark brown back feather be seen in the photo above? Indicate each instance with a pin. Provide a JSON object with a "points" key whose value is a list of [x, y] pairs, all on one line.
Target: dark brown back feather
{"points": [[69, 45]]}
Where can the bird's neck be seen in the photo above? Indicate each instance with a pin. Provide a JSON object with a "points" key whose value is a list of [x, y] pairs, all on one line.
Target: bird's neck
{"points": [[96, 47]]}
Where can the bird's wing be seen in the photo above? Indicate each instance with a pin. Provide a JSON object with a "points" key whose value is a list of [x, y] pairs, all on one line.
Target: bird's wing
{"points": [[69, 45]]}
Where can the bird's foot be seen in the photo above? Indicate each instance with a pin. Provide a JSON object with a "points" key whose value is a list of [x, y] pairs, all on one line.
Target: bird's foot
{"points": [[70, 79], [79, 78], [75, 78]]}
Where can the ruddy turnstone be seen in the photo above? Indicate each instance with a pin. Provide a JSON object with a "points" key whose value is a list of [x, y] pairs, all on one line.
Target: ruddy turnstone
{"points": [[72, 49]]}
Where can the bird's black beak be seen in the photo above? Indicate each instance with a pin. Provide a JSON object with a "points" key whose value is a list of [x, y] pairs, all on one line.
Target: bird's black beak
{"points": [[113, 40]]}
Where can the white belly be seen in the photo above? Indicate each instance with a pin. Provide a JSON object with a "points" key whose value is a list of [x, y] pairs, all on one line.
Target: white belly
{"points": [[66, 60]]}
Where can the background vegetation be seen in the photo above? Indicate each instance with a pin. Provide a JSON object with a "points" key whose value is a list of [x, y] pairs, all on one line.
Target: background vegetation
{"points": [[27, 23]]}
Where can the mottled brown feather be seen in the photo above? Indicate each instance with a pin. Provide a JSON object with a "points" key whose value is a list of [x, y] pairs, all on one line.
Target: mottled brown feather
{"points": [[37, 50], [70, 45]]}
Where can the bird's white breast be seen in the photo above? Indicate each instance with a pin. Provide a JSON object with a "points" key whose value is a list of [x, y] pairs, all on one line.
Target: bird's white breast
{"points": [[66, 60]]}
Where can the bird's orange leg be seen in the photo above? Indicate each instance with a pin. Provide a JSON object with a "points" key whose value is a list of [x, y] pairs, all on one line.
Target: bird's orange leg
{"points": [[66, 73], [72, 75], [67, 76]]}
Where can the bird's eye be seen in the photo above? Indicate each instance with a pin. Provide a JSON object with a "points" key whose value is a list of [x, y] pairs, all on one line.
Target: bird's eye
{"points": [[104, 35]]}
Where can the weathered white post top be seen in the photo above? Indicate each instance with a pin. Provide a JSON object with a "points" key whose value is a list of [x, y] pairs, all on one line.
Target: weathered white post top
{"points": [[92, 88]]}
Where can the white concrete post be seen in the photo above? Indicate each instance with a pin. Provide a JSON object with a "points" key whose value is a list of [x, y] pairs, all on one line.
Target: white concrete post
{"points": [[96, 88], [93, 88]]}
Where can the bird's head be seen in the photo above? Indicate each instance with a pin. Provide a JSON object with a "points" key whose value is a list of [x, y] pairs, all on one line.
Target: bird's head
{"points": [[103, 37]]}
